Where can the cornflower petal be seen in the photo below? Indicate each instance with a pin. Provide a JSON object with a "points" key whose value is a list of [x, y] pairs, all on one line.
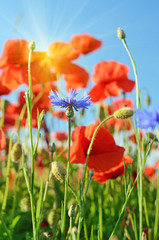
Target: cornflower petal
{"points": [[70, 101]]}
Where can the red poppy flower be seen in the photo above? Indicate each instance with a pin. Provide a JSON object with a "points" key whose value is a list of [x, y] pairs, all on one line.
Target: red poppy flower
{"points": [[85, 43], [110, 78], [149, 171], [103, 156], [40, 101], [60, 114], [77, 80], [2, 139], [60, 136], [44, 65], [114, 172], [133, 138], [3, 89], [156, 164]]}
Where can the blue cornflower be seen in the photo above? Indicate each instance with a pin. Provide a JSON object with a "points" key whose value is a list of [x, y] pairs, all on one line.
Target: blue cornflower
{"points": [[147, 119], [71, 101]]}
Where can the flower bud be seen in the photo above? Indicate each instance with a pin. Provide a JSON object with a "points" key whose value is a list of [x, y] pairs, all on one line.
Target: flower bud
{"points": [[91, 173], [74, 230], [69, 112], [16, 152], [25, 204], [32, 45], [124, 113], [52, 218], [71, 211], [58, 171], [52, 147], [121, 34]]}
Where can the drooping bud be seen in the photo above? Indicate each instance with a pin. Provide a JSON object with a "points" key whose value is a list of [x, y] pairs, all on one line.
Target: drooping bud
{"points": [[124, 113], [52, 147], [32, 45], [71, 211], [52, 218], [148, 100], [58, 171], [16, 152], [121, 34], [69, 112]]}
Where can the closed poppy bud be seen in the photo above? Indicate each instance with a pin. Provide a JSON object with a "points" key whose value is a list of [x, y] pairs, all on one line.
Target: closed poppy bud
{"points": [[91, 173], [121, 34], [25, 204], [124, 113], [52, 147], [71, 211], [52, 217], [16, 152], [58, 171], [32, 45], [74, 230], [69, 112]]}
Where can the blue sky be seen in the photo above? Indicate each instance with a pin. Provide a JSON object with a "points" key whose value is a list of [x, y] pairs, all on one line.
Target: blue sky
{"points": [[49, 20]]}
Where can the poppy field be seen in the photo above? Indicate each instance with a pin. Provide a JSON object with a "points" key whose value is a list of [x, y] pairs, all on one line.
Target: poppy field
{"points": [[91, 181]]}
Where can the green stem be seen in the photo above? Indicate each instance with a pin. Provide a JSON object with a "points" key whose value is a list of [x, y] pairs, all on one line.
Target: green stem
{"points": [[66, 180], [157, 210], [123, 208], [100, 209], [7, 177], [31, 198], [138, 104], [29, 109], [81, 217], [45, 192]]}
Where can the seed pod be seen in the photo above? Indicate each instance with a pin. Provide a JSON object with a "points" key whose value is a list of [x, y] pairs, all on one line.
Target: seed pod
{"points": [[124, 113], [16, 152], [58, 171]]}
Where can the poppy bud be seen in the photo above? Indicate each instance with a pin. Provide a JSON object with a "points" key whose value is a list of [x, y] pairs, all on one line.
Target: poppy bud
{"points": [[74, 230], [25, 204], [148, 100], [52, 217], [69, 112], [71, 211], [16, 152], [124, 113], [32, 45], [91, 173], [58, 171], [52, 147], [121, 34]]}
